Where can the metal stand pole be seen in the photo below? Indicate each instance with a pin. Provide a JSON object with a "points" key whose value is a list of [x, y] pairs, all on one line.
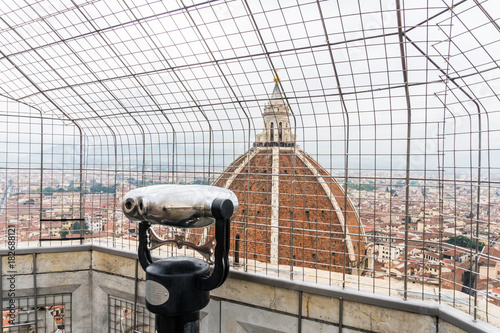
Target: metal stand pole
{"points": [[188, 323]]}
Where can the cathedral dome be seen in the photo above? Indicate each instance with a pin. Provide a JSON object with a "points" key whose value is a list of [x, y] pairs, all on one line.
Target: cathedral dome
{"points": [[292, 211]]}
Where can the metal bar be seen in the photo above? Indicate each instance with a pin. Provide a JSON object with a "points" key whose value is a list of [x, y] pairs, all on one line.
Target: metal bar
{"points": [[60, 220], [35, 291], [186, 323], [299, 323], [136, 291], [345, 115], [408, 141], [60, 239], [341, 314]]}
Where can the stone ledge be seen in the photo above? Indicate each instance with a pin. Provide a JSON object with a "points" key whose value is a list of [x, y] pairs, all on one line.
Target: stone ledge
{"points": [[260, 291]]}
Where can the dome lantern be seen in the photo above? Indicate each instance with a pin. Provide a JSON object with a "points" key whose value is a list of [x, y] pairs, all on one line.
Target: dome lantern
{"points": [[277, 131]]}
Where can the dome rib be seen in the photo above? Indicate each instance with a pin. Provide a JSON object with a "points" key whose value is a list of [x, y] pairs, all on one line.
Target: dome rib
{"points": [[338, 210], [247, 157], [275, 208]]}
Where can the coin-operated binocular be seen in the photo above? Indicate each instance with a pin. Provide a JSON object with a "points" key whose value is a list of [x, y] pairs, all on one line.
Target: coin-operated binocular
{"points": [[177, 288]]}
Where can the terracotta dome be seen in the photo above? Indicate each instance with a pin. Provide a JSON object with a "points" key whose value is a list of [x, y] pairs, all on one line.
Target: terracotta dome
{"points": [[291, 208]]}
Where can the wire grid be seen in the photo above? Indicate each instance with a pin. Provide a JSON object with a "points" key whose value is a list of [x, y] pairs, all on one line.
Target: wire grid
{"points": [[121, 317], [51, 314], [396, 100]]}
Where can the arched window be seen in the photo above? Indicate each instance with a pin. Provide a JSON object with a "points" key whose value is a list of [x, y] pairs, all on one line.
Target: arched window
{"points": [[272, 132], [280, 132]]}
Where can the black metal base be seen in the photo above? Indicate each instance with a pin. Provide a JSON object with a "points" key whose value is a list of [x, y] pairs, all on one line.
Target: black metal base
{"points": [[171, 286], [188, 323]]}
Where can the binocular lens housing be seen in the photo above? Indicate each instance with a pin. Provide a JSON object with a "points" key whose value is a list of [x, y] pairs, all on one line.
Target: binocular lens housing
{"points": [[183, 206]]}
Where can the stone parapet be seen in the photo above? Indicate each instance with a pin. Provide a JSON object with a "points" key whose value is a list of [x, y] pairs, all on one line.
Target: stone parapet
{"points": [[95, 276]]}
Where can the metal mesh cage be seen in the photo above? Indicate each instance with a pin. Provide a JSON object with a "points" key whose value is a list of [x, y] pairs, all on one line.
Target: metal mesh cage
{"points": [[388, 180]]}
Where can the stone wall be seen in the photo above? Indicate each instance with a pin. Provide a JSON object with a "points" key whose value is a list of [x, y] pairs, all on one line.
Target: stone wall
{"points": [[103, 284]]}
